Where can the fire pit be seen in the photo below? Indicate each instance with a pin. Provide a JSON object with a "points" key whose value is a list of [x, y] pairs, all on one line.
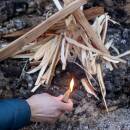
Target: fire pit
{"points": [[92, 50]]}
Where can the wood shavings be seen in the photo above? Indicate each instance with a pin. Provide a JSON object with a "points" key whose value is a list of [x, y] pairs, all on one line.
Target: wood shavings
{"points": [[63, 57], [101, 83], [58, 5], [39, 30], [105, 56], [54, 60], [88, 87]]}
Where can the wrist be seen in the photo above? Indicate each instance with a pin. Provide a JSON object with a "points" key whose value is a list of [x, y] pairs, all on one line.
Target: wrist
{"points": [[31, 111]]}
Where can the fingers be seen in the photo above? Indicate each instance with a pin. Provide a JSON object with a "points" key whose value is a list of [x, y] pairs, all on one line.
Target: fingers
{"points": [[67, 106]]}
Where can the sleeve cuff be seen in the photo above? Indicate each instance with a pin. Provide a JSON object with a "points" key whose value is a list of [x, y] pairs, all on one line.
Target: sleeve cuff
{"points": [[22, 114], [16, 114]]}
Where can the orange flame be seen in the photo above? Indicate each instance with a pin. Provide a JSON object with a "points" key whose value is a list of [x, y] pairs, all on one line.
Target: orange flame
{"points": [[71, 85]]}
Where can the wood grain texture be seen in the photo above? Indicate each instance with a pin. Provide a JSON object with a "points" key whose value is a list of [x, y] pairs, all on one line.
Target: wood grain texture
{"points": [[39, 30]]}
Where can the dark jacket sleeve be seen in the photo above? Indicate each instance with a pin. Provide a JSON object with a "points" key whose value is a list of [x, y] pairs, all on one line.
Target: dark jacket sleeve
{"points": [[14, 114]]}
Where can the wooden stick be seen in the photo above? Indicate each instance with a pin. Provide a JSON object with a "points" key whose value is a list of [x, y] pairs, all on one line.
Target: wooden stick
{"points": [[81, 19], [54, 61], [72, 41], [32, 45], [89, 14], [89, 30], [93, 12], [39, 30], [58, 5], [66, 96], [16, 34], [101, 84], [88, 87]]}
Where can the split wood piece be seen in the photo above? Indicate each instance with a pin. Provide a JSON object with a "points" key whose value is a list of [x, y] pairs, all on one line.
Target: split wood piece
{"points": [[17, 33], [45, 60], [93, 12], [105, 56], [88, 87], [71, 31], [58, 26], [44, 64], [58, 5], [84, 57], [39, 30], [23, 56], [42, 81], [34, 63], [99, 26], [81, 19], [101, 84], [91, 63], [41, 41], [105, 29], [54, 61], [42, 50], [85, 38], [89, 30], [63, 58], [89, 14], [124, 54]]}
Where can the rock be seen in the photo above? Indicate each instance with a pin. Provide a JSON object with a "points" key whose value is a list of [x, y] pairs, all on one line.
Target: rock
{"points": [[10, 8], [13, 25]]}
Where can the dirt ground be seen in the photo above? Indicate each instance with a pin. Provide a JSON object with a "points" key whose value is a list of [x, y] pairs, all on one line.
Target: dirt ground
{"points": [[89, 113]]}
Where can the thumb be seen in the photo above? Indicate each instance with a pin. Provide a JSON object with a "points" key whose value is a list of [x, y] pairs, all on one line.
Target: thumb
{"points": [[60, 97]]}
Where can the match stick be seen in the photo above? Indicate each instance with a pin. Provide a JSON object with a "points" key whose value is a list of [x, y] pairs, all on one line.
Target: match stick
{"points": [[68, 92], [66, 96]]}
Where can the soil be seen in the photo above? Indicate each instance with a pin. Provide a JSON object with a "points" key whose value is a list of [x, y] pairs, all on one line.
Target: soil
{"points": [[88, 113]]}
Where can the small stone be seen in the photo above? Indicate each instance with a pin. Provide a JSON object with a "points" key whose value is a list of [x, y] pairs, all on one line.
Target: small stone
{"points": [[19, 24]]}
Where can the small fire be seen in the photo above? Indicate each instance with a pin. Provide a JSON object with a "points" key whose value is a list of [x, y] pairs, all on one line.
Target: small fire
{"points": [[68, 92], [71, 85]]}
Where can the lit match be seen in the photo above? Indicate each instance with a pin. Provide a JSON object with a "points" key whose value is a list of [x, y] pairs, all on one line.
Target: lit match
{"points": [[68, 92]]}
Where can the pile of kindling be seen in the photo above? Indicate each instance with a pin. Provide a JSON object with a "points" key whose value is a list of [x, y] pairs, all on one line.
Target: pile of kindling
{"points": [[64, 37]]}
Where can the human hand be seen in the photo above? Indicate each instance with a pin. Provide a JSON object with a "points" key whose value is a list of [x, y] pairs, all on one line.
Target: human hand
{"points": [[47, 108]]}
